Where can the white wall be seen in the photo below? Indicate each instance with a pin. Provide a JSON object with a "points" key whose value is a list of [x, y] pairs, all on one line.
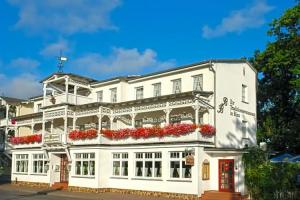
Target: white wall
{"points": [[229, 80]]}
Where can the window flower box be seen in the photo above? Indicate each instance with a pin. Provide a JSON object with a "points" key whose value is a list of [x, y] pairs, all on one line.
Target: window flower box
{"points": [[82, 135], [30, 139]]}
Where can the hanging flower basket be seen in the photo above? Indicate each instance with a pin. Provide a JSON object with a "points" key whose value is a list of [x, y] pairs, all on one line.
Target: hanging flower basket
{"points": [[82, 135], [26, 139]]}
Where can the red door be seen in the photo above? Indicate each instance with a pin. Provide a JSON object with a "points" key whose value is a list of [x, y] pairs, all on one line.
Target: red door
{"points": [[64, 171], [226, 175]]}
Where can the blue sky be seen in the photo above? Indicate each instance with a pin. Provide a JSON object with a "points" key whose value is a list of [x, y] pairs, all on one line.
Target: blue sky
{"points": [[106, 38]]}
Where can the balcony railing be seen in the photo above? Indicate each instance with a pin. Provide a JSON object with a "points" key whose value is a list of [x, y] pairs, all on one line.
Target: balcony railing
{"points": [[72, 99]]}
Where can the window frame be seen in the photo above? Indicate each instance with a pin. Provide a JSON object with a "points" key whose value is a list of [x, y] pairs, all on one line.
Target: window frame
{"points": [[174, 86], [120, 157], [139, 95], [156, 89], [194, 82], [181, 160], [18, 158], [114, 95], [99, 94], [42, 159], [244, 93], [82, 159], [155, 157]]}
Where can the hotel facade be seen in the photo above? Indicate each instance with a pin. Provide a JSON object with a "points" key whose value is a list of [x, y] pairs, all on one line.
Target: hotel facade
{"points": [[177, 132]]}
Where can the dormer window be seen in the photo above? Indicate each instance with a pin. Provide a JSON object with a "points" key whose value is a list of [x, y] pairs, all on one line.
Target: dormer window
{"points": [[198, 82], [176, 86], [113, 95]]}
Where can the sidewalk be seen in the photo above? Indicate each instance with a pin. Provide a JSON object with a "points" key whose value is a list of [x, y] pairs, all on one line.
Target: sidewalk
{"points": [[76, 195]]}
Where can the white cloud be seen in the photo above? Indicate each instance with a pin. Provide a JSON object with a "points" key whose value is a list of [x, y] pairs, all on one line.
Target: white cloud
{"points": [[240, 20], [24, 63], [120, 61], [22, 86], [65, 16], [54, 49]]}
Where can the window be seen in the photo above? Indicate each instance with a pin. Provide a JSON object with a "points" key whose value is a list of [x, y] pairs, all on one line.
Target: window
{"points": [[198, 82], [205, 170], [139, 92], [244, 129], [156, 89], [100, 96], [39, 106], [22, 163], [178, 169], [39, 164], [176, 86], [244, 93], [148, 164], [85, 164], [113, 95], [120, 164]]}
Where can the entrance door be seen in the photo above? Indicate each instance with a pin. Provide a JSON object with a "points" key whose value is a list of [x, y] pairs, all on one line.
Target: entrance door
{"points": [[64, 172], [226, 175]]}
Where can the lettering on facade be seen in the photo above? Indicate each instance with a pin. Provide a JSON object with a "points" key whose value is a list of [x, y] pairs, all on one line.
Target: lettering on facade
{"points": [[234, 110]]}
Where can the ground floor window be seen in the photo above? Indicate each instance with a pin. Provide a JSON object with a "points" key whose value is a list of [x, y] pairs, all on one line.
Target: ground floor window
{"points": [[85, 164], [120, 164], [148, 164], [178, 168], [39, 164], [22, 163]]}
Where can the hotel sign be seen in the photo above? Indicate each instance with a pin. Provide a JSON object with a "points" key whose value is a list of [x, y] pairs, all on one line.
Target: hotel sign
{"points": [[234, 110], [189, 160]]}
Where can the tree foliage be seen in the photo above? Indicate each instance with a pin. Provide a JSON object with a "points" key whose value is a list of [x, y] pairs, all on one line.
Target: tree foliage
{"points": [[279, 84]]}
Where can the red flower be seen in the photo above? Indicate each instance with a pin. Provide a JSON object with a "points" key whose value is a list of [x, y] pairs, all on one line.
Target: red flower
{"points": [[26, 139], [207, 130], [155, 131], [81, 135]]}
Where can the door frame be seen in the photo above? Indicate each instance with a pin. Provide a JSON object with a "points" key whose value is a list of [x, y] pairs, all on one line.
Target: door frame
{"points": [[219, 175]]}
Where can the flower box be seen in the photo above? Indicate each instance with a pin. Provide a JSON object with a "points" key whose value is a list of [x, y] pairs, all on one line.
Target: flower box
{"points": [[26, 139], [82, 135]]}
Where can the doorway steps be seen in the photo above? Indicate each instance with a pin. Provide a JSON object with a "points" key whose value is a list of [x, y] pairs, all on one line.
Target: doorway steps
{"points": [[60, 186], [216, 195]]}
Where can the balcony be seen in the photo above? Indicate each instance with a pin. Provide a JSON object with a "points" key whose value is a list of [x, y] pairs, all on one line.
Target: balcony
{"points": [[72, 99]]}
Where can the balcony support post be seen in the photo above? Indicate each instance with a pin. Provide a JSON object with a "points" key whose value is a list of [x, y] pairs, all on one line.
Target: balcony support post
{"points": [[133, 115], [67, 88], [167, 112], [99, 123], [197, 109], [64, 139], [32, 126], [43, 127], [75, 93], [45, 94], [74, 122]]}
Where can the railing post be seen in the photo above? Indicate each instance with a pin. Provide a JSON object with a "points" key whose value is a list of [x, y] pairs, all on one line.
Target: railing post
{"points": [[45, 94], [67, 88]]}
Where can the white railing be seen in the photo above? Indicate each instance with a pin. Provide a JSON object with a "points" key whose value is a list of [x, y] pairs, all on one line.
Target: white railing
{"points": [[72, 99]]}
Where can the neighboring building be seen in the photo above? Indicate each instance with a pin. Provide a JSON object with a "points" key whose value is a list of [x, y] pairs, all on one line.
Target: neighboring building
{"points": [[59, 136], [7, 130]]}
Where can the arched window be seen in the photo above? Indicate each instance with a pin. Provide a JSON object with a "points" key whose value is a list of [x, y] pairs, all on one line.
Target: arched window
{"points": [[205, 170]]}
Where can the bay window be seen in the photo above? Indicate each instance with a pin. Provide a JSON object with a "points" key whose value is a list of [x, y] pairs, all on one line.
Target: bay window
{"points": [[22, 163], [120, 164], [85, 164]]}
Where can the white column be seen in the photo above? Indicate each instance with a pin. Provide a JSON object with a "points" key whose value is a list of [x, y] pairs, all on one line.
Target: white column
{"points": [[196, 108], [133, 120], [74, 123], [111, 119], [167, 111], [51, 126], [99, 123], [67, 88], [75, 93], [43, 127], [7, 112], [45, 94], [32, 127], [64, 139]]}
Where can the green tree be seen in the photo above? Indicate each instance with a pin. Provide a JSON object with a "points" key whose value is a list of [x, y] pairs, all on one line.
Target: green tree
{"points": [[279, 82]]}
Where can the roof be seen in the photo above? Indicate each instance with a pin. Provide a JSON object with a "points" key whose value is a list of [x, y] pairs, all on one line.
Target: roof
{"points": [[90, 80], [11, 99]]}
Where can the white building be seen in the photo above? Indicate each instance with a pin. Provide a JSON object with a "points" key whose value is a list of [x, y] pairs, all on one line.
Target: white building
{"points": [[76, 146]]}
